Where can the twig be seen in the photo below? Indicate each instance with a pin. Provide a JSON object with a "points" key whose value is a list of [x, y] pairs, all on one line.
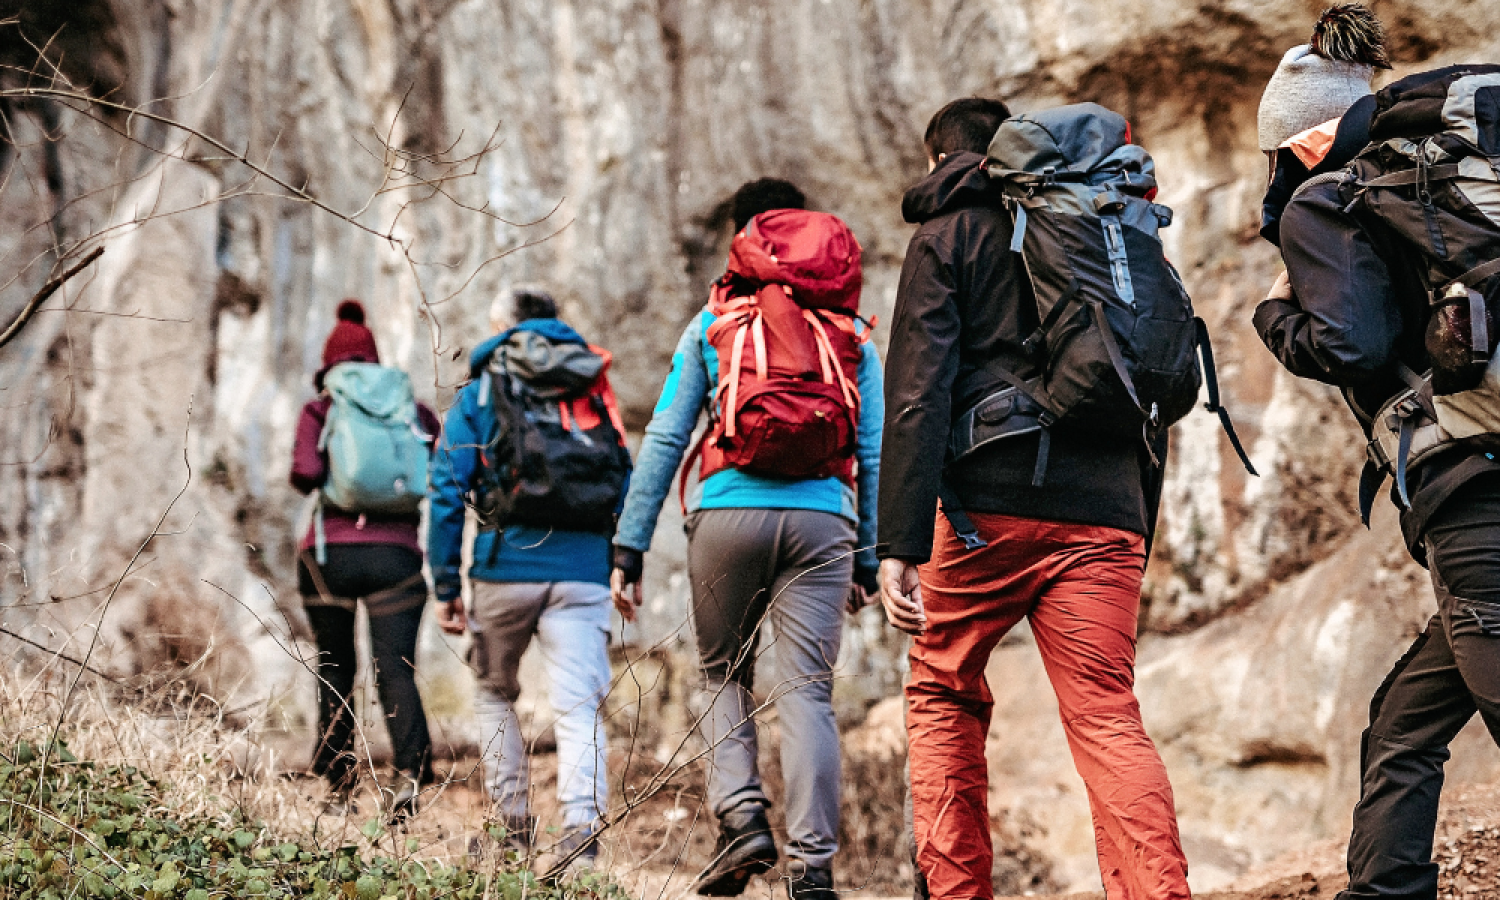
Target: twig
{"points": [[58, 654], [41, 296]]}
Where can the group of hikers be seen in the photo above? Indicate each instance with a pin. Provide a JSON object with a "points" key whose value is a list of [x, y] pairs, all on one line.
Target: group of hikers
{"points": [[1012, 445]]}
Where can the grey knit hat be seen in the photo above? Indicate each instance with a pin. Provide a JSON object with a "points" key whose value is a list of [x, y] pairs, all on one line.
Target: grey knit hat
{"points": [[1308, 90]]}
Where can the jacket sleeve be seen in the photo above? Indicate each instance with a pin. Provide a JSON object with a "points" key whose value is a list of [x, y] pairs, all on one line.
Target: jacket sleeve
{"points": [[309, 464], [1342, 326], [454, 463], [667, 436], [920, 369], [871, 418]]}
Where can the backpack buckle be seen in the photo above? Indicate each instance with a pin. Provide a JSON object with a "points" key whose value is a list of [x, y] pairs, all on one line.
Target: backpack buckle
{"points": [[1376, 457], [972, 540]]}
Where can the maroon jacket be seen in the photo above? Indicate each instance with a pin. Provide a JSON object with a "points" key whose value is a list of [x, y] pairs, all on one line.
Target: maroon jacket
{"points": [[310, 470]]}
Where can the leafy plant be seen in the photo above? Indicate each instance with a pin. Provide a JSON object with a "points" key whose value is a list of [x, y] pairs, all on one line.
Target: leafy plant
{"points": [[76, 828]]}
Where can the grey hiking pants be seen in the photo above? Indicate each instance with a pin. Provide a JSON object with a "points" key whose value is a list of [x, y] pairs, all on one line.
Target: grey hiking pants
{"points": [[570, 622], [1449, 673], [791, 568]]}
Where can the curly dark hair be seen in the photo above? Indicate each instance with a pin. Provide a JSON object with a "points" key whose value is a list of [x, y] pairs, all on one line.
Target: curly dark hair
{"points": [[763, 195]]}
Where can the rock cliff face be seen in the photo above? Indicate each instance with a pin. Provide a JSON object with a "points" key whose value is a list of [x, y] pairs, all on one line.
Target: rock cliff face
{"points": [[591, 145]]}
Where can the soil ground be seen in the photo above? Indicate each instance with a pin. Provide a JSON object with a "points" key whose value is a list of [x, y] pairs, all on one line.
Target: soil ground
{"points": [[668, 836]]}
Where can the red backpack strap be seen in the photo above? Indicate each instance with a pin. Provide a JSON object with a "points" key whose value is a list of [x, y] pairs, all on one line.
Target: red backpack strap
{"points": [[833, 369], [606, 394], [694, 455]]}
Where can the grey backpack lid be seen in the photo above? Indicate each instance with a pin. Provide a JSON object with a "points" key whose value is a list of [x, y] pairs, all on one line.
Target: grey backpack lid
{"points": [[1074, 138], [551, 369]]}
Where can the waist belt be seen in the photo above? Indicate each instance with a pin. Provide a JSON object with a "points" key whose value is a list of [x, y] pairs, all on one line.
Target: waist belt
{"points": [[1007, 413], [1404, 433]]}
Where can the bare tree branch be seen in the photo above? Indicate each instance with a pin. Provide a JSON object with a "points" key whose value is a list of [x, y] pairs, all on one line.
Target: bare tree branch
{"points": [[40, 297]]}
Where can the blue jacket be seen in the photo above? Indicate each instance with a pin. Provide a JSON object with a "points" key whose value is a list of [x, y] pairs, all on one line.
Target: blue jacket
{"points": [[521, 552], [687, 393]]}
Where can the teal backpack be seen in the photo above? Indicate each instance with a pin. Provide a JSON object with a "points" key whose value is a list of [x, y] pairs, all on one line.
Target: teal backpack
{"points": [[377, 451]]}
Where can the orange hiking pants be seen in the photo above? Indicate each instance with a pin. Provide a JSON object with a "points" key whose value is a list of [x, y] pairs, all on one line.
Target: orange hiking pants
{"points": [[1080, 587]]}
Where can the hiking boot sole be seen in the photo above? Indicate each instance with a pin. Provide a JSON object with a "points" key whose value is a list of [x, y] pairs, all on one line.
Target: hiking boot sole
{"points": [[729, 875]]}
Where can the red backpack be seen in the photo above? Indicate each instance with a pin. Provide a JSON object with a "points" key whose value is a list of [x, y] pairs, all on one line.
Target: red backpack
{"points": [[787, 402]]}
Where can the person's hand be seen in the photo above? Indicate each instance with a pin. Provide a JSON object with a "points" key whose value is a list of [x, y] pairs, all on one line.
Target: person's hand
{"points": [[625, 581], [626, 594], [450, 615], [901, 594], [864, 590], [1281, 289]]}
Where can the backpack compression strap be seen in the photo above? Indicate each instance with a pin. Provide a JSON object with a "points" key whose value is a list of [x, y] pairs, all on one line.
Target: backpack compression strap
{"points": [[829, 360], [1211, 381]]}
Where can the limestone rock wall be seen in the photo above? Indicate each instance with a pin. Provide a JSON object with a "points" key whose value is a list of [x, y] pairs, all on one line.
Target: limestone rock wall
{"points": [[591, 145]]}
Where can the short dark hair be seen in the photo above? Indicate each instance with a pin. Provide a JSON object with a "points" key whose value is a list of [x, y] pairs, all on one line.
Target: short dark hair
{"points": [[763, 195], [966, 124], [534, 303]]}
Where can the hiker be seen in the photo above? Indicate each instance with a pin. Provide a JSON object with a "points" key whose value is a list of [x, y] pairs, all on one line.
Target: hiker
{"points": [[362, 546], [1048, 491], [534, 444], [1392, 248], [786, 493]]}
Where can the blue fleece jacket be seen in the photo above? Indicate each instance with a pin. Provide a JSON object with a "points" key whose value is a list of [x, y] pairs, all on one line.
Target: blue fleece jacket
{"points": [[520, 552], [688, 391]]}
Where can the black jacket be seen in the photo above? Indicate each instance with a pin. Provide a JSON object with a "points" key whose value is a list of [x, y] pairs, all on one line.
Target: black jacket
{"points": [[1360, 308], [964, 300]]}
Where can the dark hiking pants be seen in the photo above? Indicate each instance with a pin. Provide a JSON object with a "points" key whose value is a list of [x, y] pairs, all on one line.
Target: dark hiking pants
{"points": [[790, 568], [1450, 672], [353, 571]]}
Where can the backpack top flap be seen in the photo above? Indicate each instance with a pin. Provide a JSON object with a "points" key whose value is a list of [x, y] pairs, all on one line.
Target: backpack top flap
{"points": [[551, 369], [1074, 139], [378, 391], [1472, 111], [813, 253], [1426, 103]]}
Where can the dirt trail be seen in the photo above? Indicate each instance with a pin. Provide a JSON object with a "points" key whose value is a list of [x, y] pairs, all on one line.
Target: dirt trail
{"points": [[656, 852], [1467, 850]]}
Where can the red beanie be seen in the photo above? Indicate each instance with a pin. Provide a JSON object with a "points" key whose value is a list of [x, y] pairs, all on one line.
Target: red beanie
{"points": [[350, 339]]}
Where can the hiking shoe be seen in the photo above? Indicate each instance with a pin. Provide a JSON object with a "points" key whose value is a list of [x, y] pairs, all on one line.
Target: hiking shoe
{"points": [[579, 836], [745, 849], [340, 804], [400, 797], [512, 837], [804, 882]]}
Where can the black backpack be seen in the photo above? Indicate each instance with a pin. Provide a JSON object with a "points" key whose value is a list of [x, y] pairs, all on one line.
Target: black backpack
{"points": [[1118, 347], [545, 468], [1430, 179]]}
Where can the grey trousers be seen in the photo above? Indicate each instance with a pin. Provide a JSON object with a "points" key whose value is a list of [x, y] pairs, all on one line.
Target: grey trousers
{"points": [[570, 622], [791, 568]]}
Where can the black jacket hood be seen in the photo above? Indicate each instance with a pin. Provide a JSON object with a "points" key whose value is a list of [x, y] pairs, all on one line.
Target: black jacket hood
{"points": [[958, 181], [1352, 136]]}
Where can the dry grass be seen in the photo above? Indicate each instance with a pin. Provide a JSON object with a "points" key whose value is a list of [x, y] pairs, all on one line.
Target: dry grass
{"points": [[226, 766]]}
